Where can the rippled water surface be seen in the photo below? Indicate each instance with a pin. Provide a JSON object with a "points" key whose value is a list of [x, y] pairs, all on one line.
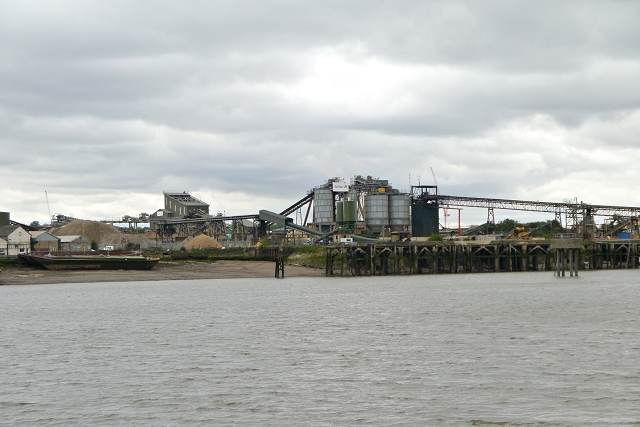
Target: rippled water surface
{"points": [[485, 349]]}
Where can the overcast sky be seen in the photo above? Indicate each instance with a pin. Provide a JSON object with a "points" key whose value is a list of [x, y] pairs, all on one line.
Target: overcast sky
{"points": [[248, 105]]}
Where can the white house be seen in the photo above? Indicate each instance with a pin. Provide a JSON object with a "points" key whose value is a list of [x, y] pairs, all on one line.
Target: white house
{"points": [[14, 240]]}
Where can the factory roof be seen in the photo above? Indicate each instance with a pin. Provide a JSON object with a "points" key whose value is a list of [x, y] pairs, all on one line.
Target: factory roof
{"points": [[5, 230], [186, 199], [70, 239], [43, 236]]}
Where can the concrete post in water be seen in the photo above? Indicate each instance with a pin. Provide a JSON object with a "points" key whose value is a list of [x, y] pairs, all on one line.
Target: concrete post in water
{"points": [[327, 261], [561, 246], [280, 264], [571, 262], [373, 261], [626, 264]]}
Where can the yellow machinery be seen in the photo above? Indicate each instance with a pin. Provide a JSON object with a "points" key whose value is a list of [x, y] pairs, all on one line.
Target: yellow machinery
{"points": [[518, 233]]}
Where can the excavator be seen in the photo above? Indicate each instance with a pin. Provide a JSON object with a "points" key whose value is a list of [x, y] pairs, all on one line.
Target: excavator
{"points": [[518, 233], [521, 233]]}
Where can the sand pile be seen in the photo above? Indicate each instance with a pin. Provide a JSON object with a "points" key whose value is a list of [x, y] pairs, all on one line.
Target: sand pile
{"points": [[120, 240], [102, 233], [92, 230], [202, 241], [150, 235]]}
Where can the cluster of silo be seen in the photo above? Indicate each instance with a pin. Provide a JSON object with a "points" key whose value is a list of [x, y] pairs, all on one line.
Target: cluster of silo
{"points": [[383, 210]]}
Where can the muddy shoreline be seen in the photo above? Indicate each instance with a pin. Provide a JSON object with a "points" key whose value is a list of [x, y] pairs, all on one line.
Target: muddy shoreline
{"points": [[163, 271]]}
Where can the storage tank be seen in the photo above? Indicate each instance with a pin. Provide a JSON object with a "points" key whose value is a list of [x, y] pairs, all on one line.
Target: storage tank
{"points": [[339, 212], [376, 211], [350, 211], [399, 212], [5, 218], [425, 219], [323, 206]]}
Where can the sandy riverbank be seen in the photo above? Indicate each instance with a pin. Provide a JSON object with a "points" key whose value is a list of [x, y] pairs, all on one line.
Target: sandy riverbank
{"points": [[163, 271]]}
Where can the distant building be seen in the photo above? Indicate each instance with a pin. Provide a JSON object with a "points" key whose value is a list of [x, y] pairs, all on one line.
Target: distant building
{"points": [[14, 240], [162, 213], [60, 220], [180, 205], [43, 241], [184, 205], [74, 244]]}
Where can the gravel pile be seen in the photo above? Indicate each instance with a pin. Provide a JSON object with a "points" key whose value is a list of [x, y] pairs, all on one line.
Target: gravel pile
{"points": [[202, 241], [102, 233], [92, 230]]}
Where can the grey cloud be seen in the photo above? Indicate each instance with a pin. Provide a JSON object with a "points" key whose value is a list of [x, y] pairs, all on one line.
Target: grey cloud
{"points": [[145, 96], [180, 65]]}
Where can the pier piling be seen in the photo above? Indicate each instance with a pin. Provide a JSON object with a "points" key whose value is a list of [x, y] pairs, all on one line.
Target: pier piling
{"points": [[566, 257]]}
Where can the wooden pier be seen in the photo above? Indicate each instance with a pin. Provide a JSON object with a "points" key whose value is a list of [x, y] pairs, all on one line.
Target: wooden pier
{"points": [[479, 257]]}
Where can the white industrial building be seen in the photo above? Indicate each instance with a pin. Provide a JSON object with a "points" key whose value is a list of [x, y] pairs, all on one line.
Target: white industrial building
{"points": [[14, 240]]}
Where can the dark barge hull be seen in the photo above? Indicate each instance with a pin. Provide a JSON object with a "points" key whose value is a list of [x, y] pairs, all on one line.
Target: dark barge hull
{"points": [[72, 262]]}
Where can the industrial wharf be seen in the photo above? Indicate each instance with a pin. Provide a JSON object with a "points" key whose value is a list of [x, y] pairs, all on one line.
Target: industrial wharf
{"points": [[478, 257]]}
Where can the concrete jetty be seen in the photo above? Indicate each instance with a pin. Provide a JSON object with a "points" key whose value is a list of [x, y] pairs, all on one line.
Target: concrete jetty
{"points": [[559, 255]]}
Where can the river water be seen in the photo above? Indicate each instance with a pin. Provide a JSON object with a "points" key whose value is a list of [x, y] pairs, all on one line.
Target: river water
{"points": [[505, 349]]}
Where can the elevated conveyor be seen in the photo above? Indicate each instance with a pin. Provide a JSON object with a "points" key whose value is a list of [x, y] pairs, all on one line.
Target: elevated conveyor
{"points": [[478, 229], [534, 206], [284, 221], [265, 215], [297, 205]]}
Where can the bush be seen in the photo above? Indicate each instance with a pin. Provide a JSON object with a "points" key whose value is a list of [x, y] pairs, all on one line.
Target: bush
{"points": [[435, 238]]}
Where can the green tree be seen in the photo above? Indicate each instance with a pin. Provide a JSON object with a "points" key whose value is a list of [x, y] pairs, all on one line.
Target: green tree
{"points": [[507, 225], [94, 245], [34, 224]]}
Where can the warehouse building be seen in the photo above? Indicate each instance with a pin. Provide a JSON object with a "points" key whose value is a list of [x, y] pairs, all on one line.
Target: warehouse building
{"points": [[43, 241], [74, 244]]}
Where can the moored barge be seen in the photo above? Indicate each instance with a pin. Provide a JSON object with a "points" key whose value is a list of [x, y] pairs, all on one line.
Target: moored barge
{"points": [[91, 262]]}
